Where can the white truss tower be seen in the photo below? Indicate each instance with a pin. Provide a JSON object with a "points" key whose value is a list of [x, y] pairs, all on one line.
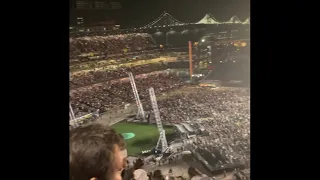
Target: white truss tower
{"points": [[162, 142], [71, 113], [79, 120], [140, 114], [72, 116]]}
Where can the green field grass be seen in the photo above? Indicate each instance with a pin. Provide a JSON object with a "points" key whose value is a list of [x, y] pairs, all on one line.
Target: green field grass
{"points": [[146, 136]]}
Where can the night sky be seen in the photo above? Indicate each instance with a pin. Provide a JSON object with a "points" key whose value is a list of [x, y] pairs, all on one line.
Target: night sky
{"points": [[136, 13]]}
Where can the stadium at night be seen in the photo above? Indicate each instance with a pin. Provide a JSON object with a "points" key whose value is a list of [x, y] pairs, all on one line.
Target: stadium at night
{"points": [[178, 92]]}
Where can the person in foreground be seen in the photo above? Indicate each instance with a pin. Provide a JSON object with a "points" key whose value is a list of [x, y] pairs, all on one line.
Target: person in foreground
{"points": [[97, 152], [194, 174], [139, 173]]}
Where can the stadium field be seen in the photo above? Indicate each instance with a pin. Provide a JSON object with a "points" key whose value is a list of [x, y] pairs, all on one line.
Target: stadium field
{"points": [[146, 136]]}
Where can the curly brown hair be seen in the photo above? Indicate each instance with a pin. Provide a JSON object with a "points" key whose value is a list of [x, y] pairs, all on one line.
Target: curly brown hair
{"points": [[92, 151]]}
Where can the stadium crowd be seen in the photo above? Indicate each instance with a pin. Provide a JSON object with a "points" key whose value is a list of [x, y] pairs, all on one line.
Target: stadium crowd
{"points": [[109, 45], [137, 172], [102, 75], [104, 96], [224, 114]]}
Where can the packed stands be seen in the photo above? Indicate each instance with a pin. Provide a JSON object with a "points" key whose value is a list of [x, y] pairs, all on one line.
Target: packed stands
{"points": [[81, 47], [97, 76], [225, 114], [106, 95]]}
